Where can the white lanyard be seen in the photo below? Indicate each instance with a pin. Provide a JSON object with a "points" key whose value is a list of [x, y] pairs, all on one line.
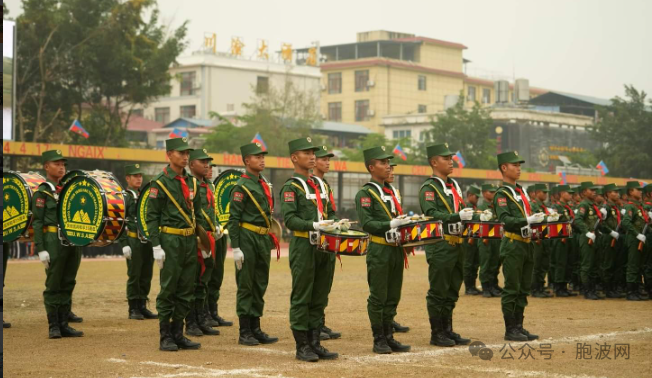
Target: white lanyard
{"points": [[383, 197]]}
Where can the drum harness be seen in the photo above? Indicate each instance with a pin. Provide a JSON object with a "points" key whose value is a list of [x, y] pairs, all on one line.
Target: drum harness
{"points": [[313, 236], [456, 228], [262, 212], [392, 237]]}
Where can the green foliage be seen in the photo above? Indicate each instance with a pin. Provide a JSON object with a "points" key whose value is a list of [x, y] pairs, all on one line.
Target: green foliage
{"points": [[624, 130], [5, 10]]}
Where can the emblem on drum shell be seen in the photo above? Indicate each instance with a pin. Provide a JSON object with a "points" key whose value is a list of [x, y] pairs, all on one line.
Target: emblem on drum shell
{"points": [[81, 214], [16, 208], [224, 183]]}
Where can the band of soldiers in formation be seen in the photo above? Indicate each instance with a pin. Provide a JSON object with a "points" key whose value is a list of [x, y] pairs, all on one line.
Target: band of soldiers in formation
{"points": [[593, 238]]}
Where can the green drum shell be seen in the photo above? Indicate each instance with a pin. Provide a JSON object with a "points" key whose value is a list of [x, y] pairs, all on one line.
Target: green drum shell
{"points": [[18, 190], [141, 212], [224, 183]]}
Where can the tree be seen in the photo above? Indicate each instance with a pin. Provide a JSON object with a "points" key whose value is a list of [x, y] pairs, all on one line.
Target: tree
{"points": [[92, 61], [5, 10], [466, 131], [624, 129], [279, 115]]}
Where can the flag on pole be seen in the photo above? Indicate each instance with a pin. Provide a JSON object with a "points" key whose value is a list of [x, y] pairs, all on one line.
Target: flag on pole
{"points": [[602, 167], [399, 151], [176, 133], [459, 159], [77, 128], [564, 180], [259, 139]]}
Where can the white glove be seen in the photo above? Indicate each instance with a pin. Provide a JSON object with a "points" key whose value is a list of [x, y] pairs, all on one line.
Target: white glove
{"points": [[640, 237], [345, 225], [218, 233], [649, 214], [614, 235], [325, 225], [536, 218], [466, 214], [554, 217], [604, 212], [238, 257], [398, 222], [126, 251], [591, 236], [622, 211], [575, 211], [44, 256], [159, 256], [205, 254], [486, 215]]}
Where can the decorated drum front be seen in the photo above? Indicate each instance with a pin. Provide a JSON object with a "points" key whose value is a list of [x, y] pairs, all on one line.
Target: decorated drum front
{"points": [[17, 191], [346, 243]]}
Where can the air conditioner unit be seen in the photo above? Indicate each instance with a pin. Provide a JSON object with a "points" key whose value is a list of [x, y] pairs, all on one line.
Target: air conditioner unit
{"points": [[370, 83], [371, 112]]}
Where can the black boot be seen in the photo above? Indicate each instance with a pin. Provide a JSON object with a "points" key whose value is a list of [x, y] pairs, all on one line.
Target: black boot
{"points": [[145, 311], [177, 334], [486, 289], [246, 336], [530, 336], [134, 309], [589, 292], [380, 342], [394, 344], [5, 324], [304, 351], [610, 292], [399, 328], [209, 316], [192, 327], [261, 336], [202, 321], [438, 335], [72, 318], [537, 291], [470, 288], [166, 342], [459, 340], [53, 326], [561, 290], [332, 335], [216, 316], [66, 330], [632, 292], [320, 351], [512, 332], [544, 290], [496, 291]]}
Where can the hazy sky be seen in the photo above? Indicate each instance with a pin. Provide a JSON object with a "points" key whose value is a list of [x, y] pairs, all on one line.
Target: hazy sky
{"points": [[589, 47]]}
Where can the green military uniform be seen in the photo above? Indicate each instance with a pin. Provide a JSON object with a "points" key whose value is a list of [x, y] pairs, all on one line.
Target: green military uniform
{"points": [[516, 252], [573, 270], [64, 260], [5, 257], [249, 227], [634, 222], [442, 200], [489, 253], [647, 268], [171, 217], [620, 270], [140, 265], [542, 249], [586, 220], [471, 255], [610, 245], [562, 248]]}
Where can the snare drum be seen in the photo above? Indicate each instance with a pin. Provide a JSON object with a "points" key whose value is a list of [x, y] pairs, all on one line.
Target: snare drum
{"points": [[346, 243], [91, 209], [420, 233], [539, 231], [558, 230], [483, 230], [17, 190]]}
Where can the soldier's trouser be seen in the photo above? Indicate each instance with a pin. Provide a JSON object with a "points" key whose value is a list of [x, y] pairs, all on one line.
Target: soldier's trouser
{"points": [[311, 276], [201, 280], [620, 271], [253, 278], [647, 268], [60, 277], [560, 249], [471, 259], [518, 262], [385, 266], [553, 261], [489, 254], [609, 255], [634, 259], [541, 261], [217, 276], [445, 277], [573, 269], [601, 243], [177, 277], [333, 257], [588, 271], [5, 257], [140, 269]]}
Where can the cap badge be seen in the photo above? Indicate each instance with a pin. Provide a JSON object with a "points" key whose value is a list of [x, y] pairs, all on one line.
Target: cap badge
{"points": [[309, 140]]}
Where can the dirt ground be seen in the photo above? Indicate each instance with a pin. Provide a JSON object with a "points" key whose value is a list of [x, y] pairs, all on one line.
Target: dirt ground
{"points": [[114, 346]]}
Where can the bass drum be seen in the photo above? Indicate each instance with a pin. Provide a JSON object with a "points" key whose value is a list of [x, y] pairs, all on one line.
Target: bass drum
{"points": [[141, 212], [80, 172], [224, 183], [91, 209], [17, 192]]}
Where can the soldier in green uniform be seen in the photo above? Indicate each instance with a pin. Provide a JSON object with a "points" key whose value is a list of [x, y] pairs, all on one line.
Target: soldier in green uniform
{"points": [[470, 246], [249, 226], [634, 222], [377, 212], [587, 220], [306, 213], [322, 167], [574, 260], [61, 262], [489, 249], [647, 268], [137, 251], [611, 243], [198, 321], [562, 248], [440, 197], [516, 252], [5, 257], [620, 269], [172, 210], [542, 248]]}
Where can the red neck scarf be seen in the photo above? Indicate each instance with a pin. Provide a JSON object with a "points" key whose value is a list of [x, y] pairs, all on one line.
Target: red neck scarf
{"points": [[597, 211], [526, 203], [209, 195], [615, 208], [320, 204], [571, 212], [456, 198], [270, 201], [394, 199], [645, 217]]}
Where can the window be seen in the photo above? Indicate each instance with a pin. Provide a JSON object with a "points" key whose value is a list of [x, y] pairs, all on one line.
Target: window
{"points": [[361, 80], [398, 134], [422, 136], [334, 83], [422, 82], [423, 109], [137, 112], [335, 111], [187, 83], [187, 111], [486, 96], [162, 115], [362, 110], [471, 94], [262, 85]]}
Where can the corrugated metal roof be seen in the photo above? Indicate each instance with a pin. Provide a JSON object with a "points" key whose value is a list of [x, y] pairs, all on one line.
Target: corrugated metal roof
{"points": [[589, 99]]}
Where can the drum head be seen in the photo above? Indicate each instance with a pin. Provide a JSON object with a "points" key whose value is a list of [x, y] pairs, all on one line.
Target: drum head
{"points": [[141, 208], [81, 211], [17, 202], [349, 233], [223, 185]]}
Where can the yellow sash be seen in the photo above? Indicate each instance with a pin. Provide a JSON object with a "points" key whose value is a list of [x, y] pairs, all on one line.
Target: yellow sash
{"points": [[176, 204]]}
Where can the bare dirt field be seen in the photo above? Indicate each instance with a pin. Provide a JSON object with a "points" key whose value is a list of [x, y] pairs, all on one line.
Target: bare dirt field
{"points": [[615, 336]]}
